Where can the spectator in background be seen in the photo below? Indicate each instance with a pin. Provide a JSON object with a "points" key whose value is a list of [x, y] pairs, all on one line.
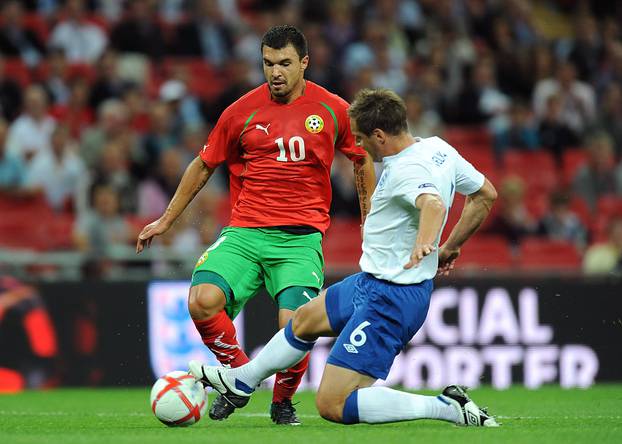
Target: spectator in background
{"points": [[481, 101], [562, 224], [30, 133], [513, 221], [137, 104], [339, 29], [56, 80], [322, 70], [598, 177], [83, 42], [184, 108], [345, 201], [240, 82], [553, 133], [161, 135], [421, 123], [520, 134], [139, 32], [59, 172], [192, 142], [102, 232], [586, 49], [154, 194], [108, 83], [114, 170], [15, 39], [577, 99], [610, 116], [112, 125], [606, 257], [12, 168], [10, 95], [205, 34], [76, 114]]}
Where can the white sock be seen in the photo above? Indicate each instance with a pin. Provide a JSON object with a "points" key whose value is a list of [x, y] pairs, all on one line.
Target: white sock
{"points": [[382, 404], [278, 354]]}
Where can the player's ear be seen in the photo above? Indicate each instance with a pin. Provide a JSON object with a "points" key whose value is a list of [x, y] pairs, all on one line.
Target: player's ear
{"points": [[304, 62], [379, 135]]}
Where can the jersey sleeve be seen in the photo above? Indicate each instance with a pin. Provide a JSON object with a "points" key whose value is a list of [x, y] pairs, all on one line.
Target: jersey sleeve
{"points": [[345, 139], [222, 140], [468, 179], [411, 181]]}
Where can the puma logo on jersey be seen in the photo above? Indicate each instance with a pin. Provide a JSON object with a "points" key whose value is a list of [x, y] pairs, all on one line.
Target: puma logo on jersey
{"points": [[263, 128]]}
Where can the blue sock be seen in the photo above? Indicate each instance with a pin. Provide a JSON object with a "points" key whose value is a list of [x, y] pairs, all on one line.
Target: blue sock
{"points": [[351, 409]]}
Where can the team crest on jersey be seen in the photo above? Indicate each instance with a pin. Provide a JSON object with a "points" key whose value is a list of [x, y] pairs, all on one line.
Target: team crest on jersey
{"points": [[314, 124], [202, 259]]}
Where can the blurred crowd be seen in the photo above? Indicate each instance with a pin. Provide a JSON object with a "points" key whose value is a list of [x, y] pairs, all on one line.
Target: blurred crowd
{"points": [[104, 103]]}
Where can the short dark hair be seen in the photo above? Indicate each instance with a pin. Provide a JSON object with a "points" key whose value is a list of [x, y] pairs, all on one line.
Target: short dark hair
{"points": [[378, 108], [280, 36]]}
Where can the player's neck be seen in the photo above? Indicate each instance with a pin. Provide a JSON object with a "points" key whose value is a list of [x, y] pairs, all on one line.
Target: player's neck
{"points": [[399, 143], [297, 91]]}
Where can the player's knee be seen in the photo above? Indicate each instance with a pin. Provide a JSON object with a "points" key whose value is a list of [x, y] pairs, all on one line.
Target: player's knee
{"points": [[205, 301], [329, 408], [302, 323]]}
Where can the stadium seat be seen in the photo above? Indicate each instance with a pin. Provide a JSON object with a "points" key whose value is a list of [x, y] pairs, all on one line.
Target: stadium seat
{"points": [[16, 69], [536, 168], [572, 160], [486, 252], [342, 244], [201, 77], [468, 136], [539, 254], [37, 24]]}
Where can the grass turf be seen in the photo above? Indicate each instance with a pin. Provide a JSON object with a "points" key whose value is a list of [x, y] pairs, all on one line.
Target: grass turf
{"points": [[548, 415]]}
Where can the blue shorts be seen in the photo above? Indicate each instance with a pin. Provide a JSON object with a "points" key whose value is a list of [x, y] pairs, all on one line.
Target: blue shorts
{"points": [[374, 319]]}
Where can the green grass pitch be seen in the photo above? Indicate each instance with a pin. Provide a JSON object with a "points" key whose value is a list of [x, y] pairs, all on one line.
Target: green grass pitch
{"points": [[119, 416]]}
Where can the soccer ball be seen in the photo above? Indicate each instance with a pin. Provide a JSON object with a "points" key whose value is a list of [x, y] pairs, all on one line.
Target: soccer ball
{"points": [[177, 399]]}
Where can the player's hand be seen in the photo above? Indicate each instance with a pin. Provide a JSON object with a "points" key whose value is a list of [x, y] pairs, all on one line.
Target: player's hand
{"points": [[447, 260], [419, 252], [146, 236]]}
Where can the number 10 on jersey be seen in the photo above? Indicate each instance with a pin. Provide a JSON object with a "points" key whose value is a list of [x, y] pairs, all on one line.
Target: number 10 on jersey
{"points": [[296, 149]]}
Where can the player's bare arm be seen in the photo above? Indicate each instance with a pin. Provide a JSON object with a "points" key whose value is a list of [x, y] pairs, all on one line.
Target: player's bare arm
{"points": [[365, 179], [430, 222], [476, 208], [194, 179]]}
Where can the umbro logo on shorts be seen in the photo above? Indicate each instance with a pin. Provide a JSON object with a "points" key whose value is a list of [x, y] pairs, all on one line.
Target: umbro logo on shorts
{"points": [[350, 348]]}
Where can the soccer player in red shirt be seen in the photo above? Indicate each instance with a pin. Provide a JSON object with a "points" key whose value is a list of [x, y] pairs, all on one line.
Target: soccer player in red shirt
{"points": [[279, 141]]}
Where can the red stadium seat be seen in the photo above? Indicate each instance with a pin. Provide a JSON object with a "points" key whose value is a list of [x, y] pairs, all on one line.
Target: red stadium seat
{"points": [[475, 137], [15, 69], [572, 160], [342, 244], [538, 254], [537, 169], [201, 78], [486, 252], [37, 24]]}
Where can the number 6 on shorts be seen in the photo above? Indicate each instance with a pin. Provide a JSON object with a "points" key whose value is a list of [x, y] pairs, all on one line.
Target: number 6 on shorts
{"points": [[358, 336]]}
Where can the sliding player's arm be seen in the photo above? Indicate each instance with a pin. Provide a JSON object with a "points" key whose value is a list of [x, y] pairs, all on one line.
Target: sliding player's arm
{"points": [[476, 208], [365, 179], [431, 217], [194, 179]]}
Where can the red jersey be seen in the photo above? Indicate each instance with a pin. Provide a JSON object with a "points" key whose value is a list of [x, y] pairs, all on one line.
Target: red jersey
{"points": [[280, 156]]}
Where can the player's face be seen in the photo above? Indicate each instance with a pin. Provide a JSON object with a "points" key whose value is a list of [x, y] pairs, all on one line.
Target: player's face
{"points": [[283, 69], [372, 144]]}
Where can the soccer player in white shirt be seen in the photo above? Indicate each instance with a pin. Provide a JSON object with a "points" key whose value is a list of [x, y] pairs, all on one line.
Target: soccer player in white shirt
{"points": [[375, 313]]}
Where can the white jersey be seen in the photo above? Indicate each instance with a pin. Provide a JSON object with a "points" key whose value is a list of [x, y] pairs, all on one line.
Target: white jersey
{"points": [[429, 166]]}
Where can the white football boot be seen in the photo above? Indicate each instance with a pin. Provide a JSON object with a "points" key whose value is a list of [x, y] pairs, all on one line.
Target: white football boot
{"points": [[215, 377], [470, 413]]}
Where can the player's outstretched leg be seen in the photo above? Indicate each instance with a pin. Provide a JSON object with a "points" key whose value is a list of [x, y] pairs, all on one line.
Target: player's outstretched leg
{"points": [[341, 400]]}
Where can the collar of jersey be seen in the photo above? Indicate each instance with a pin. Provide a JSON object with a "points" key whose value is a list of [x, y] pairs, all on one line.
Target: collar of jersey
{"points": [[394, 157]]}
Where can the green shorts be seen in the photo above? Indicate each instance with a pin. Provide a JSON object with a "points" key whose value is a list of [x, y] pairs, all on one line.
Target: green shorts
{"points": [[251, 258]]}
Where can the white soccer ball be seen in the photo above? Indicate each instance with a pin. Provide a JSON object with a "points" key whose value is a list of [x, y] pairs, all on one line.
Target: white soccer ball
{"points": [[177, 399]]}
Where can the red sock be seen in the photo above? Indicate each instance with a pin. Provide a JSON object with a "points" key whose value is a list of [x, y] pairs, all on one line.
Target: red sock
{"points": [[286, 383], [218, 333]]}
